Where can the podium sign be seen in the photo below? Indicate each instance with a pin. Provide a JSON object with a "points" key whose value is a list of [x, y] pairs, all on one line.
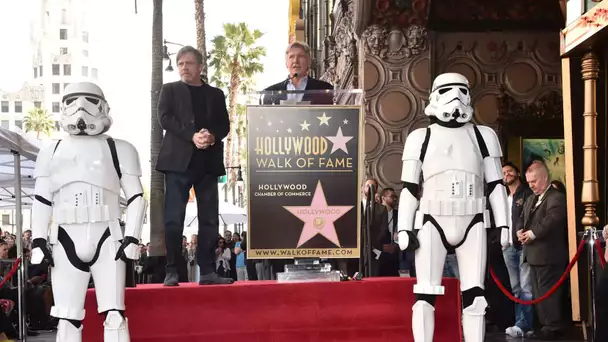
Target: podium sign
{"points": [[304, 181]]}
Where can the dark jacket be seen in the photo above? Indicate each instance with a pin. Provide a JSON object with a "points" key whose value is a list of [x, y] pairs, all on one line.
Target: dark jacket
{"points": [[311, 84], [177, 119], [519, 198], [548, 222]]}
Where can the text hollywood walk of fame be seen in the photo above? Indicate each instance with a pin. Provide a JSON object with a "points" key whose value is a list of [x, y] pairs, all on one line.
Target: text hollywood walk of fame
{"points": [[303, 165]]}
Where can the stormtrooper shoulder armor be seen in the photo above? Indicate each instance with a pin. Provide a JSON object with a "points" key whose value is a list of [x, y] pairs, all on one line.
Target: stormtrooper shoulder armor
{"points": [[43, 160], [128, 158], [414, 144], [491, 140]]}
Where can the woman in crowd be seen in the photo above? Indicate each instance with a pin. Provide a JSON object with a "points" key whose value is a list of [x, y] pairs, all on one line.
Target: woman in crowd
{"points": [[222, 258]]}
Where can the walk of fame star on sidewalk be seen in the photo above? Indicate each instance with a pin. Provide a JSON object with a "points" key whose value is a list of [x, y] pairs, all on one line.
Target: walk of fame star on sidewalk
{"points": [[318, 218]]}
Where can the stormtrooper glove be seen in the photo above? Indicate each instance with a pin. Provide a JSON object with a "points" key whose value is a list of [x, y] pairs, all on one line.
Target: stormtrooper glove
{"points": [[39, 246], [128, 249]]}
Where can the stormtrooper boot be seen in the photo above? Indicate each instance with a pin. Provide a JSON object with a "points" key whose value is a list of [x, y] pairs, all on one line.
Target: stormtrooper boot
{"points": [[115, 328], [423, 321], [67, 332], [473, 320]]}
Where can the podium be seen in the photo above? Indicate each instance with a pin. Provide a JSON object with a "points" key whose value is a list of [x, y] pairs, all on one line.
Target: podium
{"points": [[304, 176]]}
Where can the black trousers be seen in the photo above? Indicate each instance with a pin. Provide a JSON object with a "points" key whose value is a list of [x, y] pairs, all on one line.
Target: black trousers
{"points": [[601, 306], [177, 191], [549, 311]]}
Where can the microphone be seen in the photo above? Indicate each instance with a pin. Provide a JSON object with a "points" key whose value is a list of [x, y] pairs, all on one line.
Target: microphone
{"points": [[291, 76]]}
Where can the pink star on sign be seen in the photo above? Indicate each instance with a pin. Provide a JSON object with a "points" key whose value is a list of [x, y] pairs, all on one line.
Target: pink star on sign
{"points": [[339, 141], [318, 218]]}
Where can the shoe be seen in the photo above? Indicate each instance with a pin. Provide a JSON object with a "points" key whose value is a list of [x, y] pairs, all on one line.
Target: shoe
{"points": [[514, 331], [214, 279], [171, 279]]}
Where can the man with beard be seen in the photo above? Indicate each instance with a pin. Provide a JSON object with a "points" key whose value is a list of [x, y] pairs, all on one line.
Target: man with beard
{"points": [[298, 61], [519, 271]]}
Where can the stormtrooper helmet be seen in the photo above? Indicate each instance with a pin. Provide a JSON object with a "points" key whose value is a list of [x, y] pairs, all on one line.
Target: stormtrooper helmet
{"points": [[84, 110], [450, 99]]}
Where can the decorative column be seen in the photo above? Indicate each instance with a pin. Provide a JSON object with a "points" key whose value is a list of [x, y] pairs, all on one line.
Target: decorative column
{"points": [[590, 194], [590, 191]]}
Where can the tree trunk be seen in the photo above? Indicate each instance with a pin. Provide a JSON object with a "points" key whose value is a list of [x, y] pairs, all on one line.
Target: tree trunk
{"points": [[157, 181], [232, 95], [38, 135], [199, 16]]}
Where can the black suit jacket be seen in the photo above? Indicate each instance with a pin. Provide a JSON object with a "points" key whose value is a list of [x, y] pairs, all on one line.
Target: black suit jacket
{"points": [[548, 223], [177, 119], [519, 198], [311, 84]]}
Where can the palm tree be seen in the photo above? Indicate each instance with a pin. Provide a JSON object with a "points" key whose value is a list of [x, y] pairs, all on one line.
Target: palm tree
{"points": [[157, 181], [199, 16], [236, 60], [39, 121]]}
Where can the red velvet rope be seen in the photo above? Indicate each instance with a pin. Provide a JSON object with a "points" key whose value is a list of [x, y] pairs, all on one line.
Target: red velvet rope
{"points": [[559, 283], [600, 252], [10, 273]]}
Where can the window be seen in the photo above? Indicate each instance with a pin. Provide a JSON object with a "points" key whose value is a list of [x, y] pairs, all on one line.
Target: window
{"points": [[4, 106], [65, 85], [55, 107], [55, 69], [67, 69], [56, 88], [37, 104], [18, 107], [85, 53], [6, 219], [85, 71], [40, 73], [85, 37], [94, 73], [35, 72], [5, 124], [63, 51], [64, 17], [63, 34], [19, 123]]}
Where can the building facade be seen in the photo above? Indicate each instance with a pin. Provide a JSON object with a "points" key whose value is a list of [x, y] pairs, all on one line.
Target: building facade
{"points": [[509, 51], [63, 49]]}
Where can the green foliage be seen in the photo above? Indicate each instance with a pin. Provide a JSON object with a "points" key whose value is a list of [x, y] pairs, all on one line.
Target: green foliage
{"points": [[235, 57], [40, 121]]}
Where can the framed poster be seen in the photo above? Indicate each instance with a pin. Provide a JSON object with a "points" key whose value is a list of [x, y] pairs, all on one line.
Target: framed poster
{"points": [[551, 151]]}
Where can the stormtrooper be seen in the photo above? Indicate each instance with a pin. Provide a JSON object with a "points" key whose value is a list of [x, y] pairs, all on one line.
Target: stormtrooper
{"points": [[76, 214], [459, 163]]}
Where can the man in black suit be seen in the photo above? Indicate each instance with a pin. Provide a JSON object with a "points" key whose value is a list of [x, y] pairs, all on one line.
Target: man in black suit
{"points": [[195, 119], [298, 61], [541, 231], [388, 261]]}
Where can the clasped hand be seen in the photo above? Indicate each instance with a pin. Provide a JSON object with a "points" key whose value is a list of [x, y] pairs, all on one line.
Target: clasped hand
{"points": [[524, 237], [203, 139]]}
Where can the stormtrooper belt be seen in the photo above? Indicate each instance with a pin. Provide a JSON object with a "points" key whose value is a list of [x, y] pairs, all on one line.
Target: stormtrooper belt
{"points": [[428, 218]]}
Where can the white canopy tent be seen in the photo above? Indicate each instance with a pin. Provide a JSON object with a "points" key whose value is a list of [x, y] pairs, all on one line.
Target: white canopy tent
{"points": [[228, 214]]}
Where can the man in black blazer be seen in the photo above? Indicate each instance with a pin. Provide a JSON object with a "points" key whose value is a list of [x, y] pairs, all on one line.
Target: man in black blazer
{"points": [[541, 231], [298, 61], [388, 261], [195, 119]]}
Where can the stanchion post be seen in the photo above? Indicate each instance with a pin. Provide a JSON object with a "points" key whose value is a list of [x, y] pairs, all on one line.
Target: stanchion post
{"points": [[21, 271], [590, 190]]}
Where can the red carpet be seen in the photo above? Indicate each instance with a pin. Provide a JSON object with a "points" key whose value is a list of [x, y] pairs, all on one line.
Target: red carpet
{"points": [[377, 309]]}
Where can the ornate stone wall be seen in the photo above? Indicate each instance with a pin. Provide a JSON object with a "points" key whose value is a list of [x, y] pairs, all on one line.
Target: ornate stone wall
{"points": [[396, 79], [523, 66]]}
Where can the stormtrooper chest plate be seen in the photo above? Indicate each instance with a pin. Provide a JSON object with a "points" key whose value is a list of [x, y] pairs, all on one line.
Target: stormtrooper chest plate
{"points": [[452, 149], [453, 173], [84, 160]]}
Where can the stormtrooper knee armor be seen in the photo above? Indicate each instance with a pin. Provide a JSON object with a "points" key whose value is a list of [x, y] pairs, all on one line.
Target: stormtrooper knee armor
{"points": [[77, 213], [457, 160]]}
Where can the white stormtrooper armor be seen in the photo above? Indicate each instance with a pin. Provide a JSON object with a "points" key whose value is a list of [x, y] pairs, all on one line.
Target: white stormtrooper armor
{"points": [[77, 211], [457, 159]]}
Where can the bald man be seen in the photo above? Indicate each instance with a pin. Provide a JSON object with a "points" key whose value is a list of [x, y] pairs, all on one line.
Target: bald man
{"points": [[541, 230]]}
